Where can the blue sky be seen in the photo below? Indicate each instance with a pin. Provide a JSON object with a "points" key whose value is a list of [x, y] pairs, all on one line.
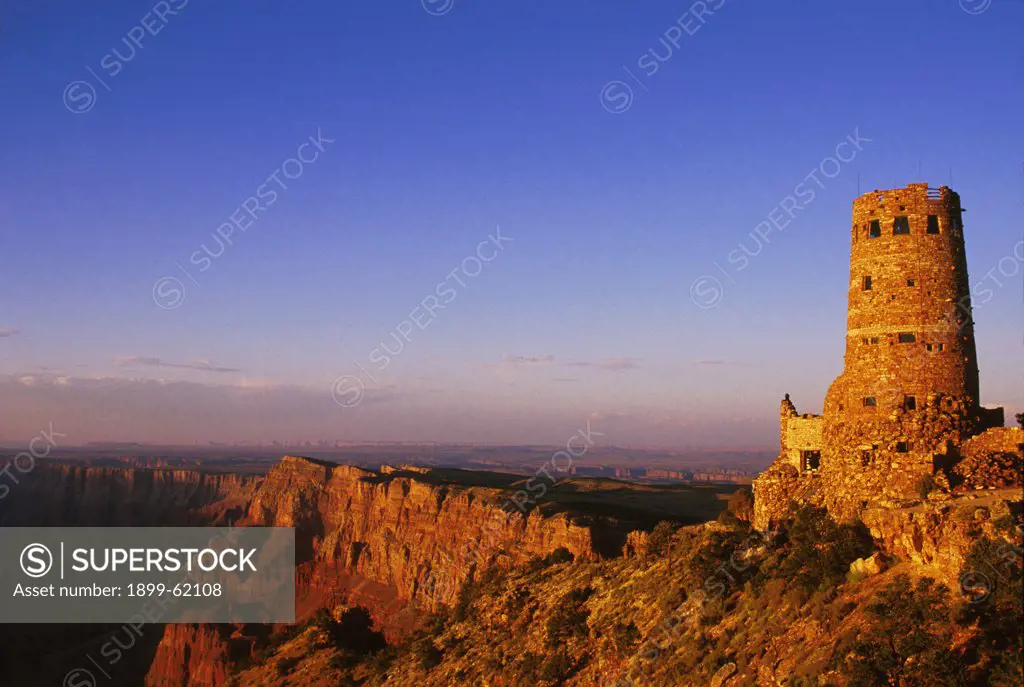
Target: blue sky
{"points": [[448, 121]]}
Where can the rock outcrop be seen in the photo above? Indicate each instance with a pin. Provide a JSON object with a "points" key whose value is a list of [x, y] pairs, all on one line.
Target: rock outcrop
{"points": [[422, 539]]}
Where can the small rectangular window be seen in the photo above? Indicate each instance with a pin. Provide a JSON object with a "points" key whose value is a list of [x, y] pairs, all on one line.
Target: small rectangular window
{"points": [[870, 402], [901, 225], [929, 347], [942, 346], [865, 458], [874, 339], [811, 459], [907, 337], [933, 224], [910, 403], [875, 230], [902, 447], [911, 282], [867, 283]]}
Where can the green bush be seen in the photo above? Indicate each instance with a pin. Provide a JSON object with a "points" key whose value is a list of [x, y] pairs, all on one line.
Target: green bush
{"points": [[568, 617], [818, 551], [909, 640]]}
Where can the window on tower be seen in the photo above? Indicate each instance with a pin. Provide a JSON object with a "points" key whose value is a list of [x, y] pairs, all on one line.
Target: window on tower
{"points": [[911, 282], [867, 283], [907, 337], [909, 403], [933, 224], [870, 402], [875, 230], [901, 225], [811, 459]]}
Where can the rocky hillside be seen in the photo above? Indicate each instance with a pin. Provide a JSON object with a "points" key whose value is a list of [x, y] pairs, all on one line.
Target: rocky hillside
{"points": [[397, 542], [817, 603]]}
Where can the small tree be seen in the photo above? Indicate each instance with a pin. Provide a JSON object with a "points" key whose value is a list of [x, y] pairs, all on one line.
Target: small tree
{"points": [[1020, 419], [659, 543]]}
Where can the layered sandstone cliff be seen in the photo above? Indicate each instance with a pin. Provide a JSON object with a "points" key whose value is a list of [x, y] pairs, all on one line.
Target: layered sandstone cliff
{"points": [[420, 538]]}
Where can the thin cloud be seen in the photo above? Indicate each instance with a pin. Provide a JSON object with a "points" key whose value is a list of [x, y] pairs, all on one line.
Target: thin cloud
{"points": [[615, 364], [527, 359], [146, 361], [721, 362], [7, 332]]}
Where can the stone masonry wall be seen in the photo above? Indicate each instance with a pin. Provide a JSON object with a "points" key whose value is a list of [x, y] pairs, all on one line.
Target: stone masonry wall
{"points": [[909, 388], [908, 397]]}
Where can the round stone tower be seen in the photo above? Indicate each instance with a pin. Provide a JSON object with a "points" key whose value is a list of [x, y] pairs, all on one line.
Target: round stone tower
{"points": [[908, 393]]}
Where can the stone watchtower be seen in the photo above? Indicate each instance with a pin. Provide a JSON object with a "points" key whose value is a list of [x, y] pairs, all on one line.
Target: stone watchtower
{"points": [[907, 399], [908, 394]]}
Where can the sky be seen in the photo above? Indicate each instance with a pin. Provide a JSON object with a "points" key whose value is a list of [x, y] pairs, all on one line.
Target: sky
{"points": [[537, 208]]}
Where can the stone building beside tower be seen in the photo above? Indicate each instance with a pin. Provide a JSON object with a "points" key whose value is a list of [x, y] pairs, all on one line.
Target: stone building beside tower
{"points": [[906, 408]]}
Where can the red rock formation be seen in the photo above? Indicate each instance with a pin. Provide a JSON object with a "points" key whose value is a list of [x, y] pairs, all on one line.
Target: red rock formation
{"points": [[421, 539], [192, 656], [391, 542]]}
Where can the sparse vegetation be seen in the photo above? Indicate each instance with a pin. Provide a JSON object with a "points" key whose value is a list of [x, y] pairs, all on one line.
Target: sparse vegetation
{"points": [[732, 603]]}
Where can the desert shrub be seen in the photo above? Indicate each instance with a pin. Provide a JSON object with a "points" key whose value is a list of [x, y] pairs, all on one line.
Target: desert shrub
{"points": [[908, 641], [426, 652], [286, 665], [559, 555], [626, 637], [353, 631], [659, 542], [818, 551], [715, 566], [464, 603], [557, 667], [568, 617], [992, 582]]}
